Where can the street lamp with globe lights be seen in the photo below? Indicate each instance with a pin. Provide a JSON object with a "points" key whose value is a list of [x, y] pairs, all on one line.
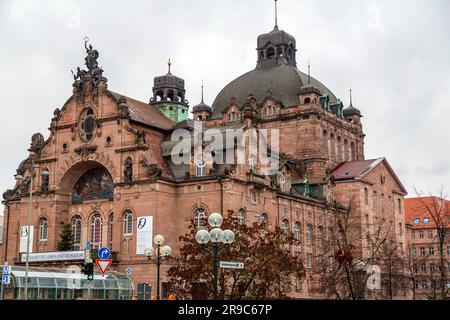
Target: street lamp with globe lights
{"points": [[158, 257], [216, 236], [20, 178]]}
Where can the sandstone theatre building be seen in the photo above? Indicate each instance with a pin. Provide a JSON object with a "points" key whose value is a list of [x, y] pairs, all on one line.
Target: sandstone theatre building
{"points": [[110, 164]]}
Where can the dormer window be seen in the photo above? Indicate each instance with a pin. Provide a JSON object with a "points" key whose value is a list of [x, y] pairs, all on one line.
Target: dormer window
{"points": [[270, 110], [232, 117], [200, 165], [307, 100]]}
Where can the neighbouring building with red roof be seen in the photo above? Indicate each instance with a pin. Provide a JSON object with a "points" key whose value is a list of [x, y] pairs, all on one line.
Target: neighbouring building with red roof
{"points": [[425, 217]]}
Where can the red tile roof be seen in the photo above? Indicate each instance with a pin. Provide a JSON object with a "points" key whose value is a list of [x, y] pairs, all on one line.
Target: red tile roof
{"points": [[146, 114], [415, 209]]}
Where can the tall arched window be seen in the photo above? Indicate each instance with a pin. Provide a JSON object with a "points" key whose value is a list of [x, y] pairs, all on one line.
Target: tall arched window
{"points": [[110, 230], [346, 151], [199, 218], [200, 165], [353, 151], [253, 196], [298, 231], [330, 238], [264, 220], [128, 223], [325, 142], [320, 237], [309, 234], [339, 149], [76, 232], [43, 229], [285, 227], [241, 216], [332, 145], [96, 231]]}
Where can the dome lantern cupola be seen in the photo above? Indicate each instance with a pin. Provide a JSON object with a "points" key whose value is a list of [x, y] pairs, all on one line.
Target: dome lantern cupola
{"points": [[276, 46], [169, 96]]}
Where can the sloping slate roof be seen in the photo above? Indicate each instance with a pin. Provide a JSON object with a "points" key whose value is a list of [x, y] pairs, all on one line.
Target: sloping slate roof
{"points": [[146, 114], [354, 170], [358, 169], [282, 80]]}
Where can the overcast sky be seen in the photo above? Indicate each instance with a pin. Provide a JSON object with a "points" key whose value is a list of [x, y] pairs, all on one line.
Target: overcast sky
{"points": [[395, 53]]}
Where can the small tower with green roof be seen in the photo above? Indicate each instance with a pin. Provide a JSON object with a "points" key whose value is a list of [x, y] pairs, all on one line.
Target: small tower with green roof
{"points": [[169, 96]]}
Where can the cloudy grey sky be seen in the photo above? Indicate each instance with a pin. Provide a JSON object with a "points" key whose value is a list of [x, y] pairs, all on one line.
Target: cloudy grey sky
{"points": [[395, 54]]}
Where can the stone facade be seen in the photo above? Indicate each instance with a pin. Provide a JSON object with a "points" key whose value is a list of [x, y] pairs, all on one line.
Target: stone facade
{"points": [[128, 141]]}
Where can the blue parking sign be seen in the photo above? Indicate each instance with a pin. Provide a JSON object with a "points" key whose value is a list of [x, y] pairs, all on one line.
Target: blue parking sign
{"points": [[6, 279], [6, 269], [104, 253]]}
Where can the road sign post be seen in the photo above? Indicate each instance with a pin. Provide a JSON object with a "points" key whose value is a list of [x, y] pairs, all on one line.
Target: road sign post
{"points": [[231, 265], [6, 278], [103, 265]]}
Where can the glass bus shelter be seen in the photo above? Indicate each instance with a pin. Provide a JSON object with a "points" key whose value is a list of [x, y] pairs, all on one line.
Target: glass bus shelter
{"points": [[60, 284]]}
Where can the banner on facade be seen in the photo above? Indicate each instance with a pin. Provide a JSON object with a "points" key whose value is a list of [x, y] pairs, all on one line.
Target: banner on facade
{"points": [[24, 231], [144, 234], [54, 256]]}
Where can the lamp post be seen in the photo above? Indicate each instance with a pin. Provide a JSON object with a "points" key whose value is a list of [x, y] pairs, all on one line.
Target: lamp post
{"points": [[30, 214], [216, 236], [158, 257]]}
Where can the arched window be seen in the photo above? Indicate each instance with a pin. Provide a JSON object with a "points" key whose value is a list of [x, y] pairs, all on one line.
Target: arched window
{"points": [[309, 234], [199, 218], [200, 165], [43, 229], [110, 230], [283, 183], [270, 53], [270, 110], [199, 118], [339, 149], [325, 142], [128, 223], [346, 151], [307, 100], [285, 227], [332, 145], [330, 238], [241, 216], [252, 162], [264, 220], [353, 151], [320, 237], [298, 231], [76, 232], [96, 231], [253, 196]]}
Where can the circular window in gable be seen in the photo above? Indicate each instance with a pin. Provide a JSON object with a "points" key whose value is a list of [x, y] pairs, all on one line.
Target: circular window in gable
{"points": [[87, 125]]}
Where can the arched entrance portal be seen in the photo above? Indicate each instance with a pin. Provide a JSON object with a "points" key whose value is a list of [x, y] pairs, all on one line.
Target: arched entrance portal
{"points": [[87, 181]]}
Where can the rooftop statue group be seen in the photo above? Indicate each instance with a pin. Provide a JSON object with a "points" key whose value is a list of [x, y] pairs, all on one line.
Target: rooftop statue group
{"points": [[91, 63]]}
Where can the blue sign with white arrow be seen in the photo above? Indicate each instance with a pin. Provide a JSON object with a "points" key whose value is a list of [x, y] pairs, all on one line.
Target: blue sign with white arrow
{"points": [[6, 279], [104, 253]]}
